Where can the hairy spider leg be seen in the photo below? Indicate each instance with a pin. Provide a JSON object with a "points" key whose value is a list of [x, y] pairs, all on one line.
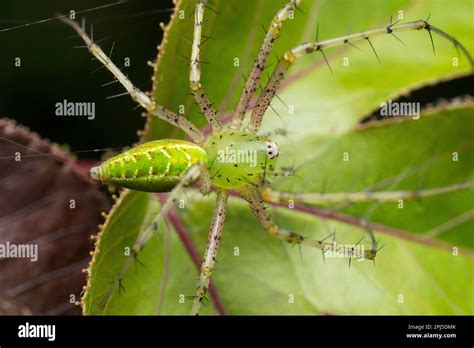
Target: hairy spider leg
{"points": [[195, 71], [316, 198], [136, 94], [259, 209], [214, 238], [275, 80], [260, 62]]}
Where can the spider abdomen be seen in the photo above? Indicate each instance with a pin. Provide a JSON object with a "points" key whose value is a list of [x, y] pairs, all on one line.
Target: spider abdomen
{"points": [[155, 166], [237, 158]]}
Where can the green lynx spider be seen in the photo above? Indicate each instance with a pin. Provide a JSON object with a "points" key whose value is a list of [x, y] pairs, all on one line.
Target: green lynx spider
{"points": [[165, 165]]}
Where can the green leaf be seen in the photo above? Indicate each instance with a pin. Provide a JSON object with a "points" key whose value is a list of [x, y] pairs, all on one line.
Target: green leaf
{"points": [[267, 272], [119, 232], [423, 149], [142, 284], [264, 274], [431, 280], [333, 104], [329, 104], [258, 275]]}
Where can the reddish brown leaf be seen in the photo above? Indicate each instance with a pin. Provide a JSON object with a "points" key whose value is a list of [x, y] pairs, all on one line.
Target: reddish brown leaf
{"points": [[39, 185]]}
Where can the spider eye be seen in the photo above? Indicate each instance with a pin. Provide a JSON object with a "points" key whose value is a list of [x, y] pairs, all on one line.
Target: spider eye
{"points": [[272, 149]]}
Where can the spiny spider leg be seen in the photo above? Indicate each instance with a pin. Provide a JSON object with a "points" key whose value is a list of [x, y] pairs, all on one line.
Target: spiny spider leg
{"points": [[276, 132], [290, 57], [206, 183], [284, 172], [136, 94], [259, 209], [144, 236], [316, 198], [259, 64], [215, 233], [195, 71]]}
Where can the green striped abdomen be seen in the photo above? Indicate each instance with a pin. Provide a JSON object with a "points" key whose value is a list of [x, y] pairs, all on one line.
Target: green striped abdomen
{"points": [[155, 166]]}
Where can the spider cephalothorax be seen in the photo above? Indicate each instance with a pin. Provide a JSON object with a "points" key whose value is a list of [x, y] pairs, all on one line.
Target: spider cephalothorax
{"points": [[238, 158], [233, 157]]}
